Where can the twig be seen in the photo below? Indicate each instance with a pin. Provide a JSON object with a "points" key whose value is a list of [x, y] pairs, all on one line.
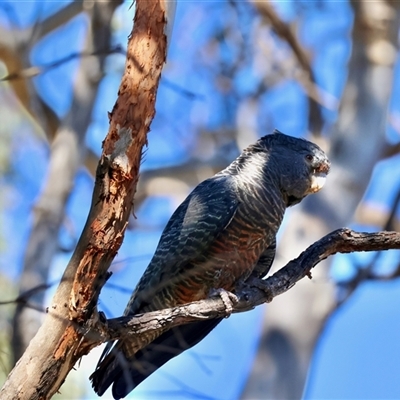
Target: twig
{"points": [[181, 90], [307, 80], [24, 297], [365, 273], [33, 71]]}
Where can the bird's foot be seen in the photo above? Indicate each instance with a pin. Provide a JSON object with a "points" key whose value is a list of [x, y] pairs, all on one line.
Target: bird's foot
{"points": [[261, 284], [228, 298]]}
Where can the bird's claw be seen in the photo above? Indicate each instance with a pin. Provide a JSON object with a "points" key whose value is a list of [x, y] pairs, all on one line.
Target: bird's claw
{"points": [[228, 298], [264, 286]]}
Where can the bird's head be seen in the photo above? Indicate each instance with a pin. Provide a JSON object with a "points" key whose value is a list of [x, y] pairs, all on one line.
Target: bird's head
{"points": [[297, 166]]}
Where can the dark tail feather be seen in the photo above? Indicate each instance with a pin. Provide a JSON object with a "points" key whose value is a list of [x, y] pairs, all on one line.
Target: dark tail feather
{"points": [[109, 367], [107, 370], [149, 359]]}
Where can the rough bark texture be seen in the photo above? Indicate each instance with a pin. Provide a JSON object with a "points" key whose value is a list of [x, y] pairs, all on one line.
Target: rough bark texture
{"points": [[65, 158], [59, 343], [254, 293]]}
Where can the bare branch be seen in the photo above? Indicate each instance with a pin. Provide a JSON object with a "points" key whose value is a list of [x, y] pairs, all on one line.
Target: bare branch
{"points": [[367, 272], [24, 297], [181, 90], [307, 80], [59, 18], [15, 48], [36, 70], [65, 158], [252, 293]]}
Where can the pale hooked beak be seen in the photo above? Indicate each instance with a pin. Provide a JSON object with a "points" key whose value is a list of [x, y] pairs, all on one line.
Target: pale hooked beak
{"points": [[318, 177], [317, 181]]}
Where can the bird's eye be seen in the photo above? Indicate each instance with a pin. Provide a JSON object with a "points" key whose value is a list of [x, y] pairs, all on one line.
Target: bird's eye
{"points": [[309, 157]]}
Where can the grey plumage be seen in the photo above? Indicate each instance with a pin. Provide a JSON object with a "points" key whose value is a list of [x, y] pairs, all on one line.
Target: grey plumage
{"points": [[221, 234]]}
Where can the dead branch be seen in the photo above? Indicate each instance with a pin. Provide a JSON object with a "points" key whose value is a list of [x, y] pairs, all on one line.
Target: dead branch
{"points": [[65, 158], [253, 293]]}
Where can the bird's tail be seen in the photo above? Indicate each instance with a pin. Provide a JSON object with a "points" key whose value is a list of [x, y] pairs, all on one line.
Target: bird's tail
{"points": [[107, 369], [125, 374]]}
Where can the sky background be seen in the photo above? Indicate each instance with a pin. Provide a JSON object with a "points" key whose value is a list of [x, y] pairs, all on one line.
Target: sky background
{"points": [[358, 356]]}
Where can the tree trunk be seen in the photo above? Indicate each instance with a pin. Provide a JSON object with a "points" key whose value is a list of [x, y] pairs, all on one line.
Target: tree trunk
{"points": [[60, 342], [65, 159]]}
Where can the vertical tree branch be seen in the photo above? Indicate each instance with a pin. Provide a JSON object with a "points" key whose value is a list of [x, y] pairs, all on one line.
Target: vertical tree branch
{"points": [[60, 341], [65, 158]]}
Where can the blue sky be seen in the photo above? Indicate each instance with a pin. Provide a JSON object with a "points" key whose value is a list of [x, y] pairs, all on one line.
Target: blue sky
{"points": [[357, 356]]}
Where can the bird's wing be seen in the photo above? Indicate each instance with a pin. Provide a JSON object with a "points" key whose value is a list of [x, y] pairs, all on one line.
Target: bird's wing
{"points": [[194, 226], [265, 261], [196, 223]]}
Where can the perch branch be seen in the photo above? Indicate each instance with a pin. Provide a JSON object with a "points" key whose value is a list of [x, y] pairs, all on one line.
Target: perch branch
{"points": [[253, 293]]}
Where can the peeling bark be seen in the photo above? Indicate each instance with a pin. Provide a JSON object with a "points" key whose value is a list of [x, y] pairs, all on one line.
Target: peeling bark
{"points": [[67, 151], [59, 343]]}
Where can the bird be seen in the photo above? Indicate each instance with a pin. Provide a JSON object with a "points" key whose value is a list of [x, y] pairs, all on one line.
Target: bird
{"points": [[222, 234]]}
